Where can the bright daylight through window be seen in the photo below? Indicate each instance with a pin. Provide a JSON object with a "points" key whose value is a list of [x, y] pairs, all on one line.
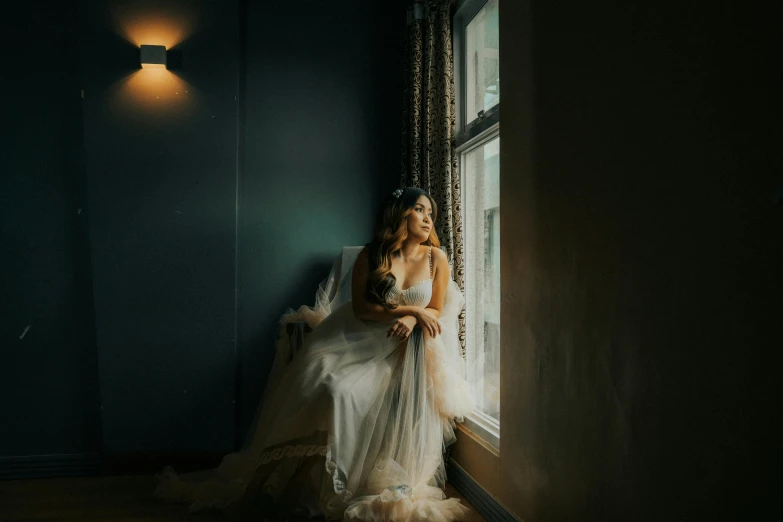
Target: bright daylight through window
{"points": [[476, 52]]}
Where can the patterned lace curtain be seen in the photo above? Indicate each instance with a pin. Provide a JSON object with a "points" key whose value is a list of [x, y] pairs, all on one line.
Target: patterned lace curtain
{"points": [[429, 157]]}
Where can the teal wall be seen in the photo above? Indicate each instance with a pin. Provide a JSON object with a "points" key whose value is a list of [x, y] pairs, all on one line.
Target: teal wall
{"points": [[212, 198], [321, 148], [48, 365], [161, 177]]}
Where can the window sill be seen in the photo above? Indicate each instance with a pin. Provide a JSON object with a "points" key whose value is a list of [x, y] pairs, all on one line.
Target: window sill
{"points": [[484, 430]]}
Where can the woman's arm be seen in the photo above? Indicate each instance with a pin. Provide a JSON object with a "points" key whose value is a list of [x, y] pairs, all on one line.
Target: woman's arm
{"points": [[440, 282], [428, 317], [365, 310]]}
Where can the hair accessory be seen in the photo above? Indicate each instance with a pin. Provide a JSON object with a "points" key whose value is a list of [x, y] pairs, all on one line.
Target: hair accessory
{"points": [[397, 193]]}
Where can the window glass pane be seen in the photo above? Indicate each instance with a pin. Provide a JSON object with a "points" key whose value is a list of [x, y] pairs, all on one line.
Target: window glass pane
{"points": [[481, 61], [482, 278]]}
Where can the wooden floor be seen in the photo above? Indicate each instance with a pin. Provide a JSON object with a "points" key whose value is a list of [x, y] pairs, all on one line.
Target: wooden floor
{"points": [[90, 499]]}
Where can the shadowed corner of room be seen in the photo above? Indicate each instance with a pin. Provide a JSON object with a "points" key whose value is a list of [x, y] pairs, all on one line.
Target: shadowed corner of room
{"points": [[151, 92]]}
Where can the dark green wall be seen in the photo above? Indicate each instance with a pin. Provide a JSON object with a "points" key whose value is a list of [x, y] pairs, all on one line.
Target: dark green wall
{"points": [[161, 174], [291, 112], [642, 255], [48, 375], [323, 116]]}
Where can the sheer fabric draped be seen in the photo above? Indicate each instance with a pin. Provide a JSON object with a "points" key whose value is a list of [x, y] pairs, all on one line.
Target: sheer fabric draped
{"points": [[353, 426]]}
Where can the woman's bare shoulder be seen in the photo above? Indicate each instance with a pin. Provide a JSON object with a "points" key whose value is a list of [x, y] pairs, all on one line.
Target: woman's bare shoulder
{"points": [[440, 262], [439, 255]]}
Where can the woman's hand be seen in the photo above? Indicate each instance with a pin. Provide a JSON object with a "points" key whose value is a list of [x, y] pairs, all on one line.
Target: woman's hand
{"points": [[428, 322], [402, 327]]}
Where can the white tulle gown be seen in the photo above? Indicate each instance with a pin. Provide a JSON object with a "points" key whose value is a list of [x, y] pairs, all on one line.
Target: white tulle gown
{"points": [[353, 426]]}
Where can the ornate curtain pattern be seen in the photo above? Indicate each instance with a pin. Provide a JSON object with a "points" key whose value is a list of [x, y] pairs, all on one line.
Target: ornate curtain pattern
{"points": [[429, 157]]}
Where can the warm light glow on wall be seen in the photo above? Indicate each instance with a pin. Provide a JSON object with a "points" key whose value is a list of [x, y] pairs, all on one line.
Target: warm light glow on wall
{"points": [[152, 97], [154, 93], [155, 89], [145, 24]]}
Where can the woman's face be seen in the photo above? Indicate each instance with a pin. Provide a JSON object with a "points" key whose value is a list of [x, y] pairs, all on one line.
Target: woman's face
{"points": [[420, 220]]}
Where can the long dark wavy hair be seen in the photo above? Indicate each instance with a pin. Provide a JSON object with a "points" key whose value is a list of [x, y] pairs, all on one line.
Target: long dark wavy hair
{"points": [[391, 229]]}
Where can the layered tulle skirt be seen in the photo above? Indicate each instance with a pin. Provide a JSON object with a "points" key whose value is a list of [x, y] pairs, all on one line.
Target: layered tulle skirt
{"points": [[354, 427]]}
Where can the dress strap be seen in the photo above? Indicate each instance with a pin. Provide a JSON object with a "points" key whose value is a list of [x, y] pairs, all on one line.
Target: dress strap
{"points": [[431, 274]]}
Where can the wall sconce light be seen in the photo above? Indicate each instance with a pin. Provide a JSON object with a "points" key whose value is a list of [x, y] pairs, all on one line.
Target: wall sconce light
{"points": [[153, 57]]}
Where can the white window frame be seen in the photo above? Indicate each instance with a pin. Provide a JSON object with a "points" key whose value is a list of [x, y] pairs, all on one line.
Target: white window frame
{"points": [[470, 137]]}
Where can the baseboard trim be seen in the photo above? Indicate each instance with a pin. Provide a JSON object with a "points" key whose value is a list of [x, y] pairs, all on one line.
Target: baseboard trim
{"points": [[95, 464], [487, 505], [43, 466], [151, 463]]}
